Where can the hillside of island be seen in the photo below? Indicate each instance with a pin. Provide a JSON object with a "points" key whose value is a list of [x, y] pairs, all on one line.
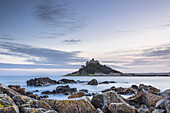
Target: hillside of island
{"points": [[94, 68]]}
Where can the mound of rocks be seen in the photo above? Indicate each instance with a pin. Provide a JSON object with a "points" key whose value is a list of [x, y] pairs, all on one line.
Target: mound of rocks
{"points": [[41, 81], [61, 89]]}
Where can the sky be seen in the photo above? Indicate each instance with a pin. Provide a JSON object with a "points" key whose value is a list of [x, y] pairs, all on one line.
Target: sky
{"points": [[58, 36]]}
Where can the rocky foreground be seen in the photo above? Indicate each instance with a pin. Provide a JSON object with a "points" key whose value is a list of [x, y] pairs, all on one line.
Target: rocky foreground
{"points": [[146, 99]]}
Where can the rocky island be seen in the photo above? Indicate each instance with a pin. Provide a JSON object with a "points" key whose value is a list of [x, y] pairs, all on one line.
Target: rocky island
{"points": [[94, 68]]}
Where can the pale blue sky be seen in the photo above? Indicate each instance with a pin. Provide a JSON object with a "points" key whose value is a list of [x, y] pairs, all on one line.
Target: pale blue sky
{"points": [[58, 36]]}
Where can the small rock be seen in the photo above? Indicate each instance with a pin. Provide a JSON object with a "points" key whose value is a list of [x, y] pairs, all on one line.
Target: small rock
{"points": [[93, 82], [84, 90], [158, 111], [76, 95]]}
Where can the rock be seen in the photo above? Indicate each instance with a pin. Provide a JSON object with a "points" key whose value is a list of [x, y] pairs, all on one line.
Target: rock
{"points": [[63, 89], [7, 105], [35, 91], [167, 102], [134, 86], [106, 90], [121, 108], [160, 104], [45, 96], [29, 93], [127, 91], [46, 92], [150, 99], [71, 106], [149, 88], [158, 111], [6, 90], [105, 109], [107, 82], [143, 109], [84, 90], [119, 90], [35, 96], [136, 100], [93, 82], [41, 81], [99, 100], [65, 81], [14, 86], [37, 110], [99, 110], [76, 95]]}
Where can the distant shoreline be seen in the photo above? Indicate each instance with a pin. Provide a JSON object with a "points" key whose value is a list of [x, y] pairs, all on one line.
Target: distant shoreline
{"points": [[120, 76]]}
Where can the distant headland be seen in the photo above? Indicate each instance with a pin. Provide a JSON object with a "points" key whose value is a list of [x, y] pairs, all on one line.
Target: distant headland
{"points": [[94, 68]]}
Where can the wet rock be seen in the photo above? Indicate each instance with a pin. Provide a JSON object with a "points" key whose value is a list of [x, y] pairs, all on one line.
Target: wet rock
{"points": [[35, 96], [107, 82], [158, 111], [134, 86], [45, 96], [41, 81], [46, 92], [121, 108], [65, 81], [93, 82], [71, 106], [84, 90], [35, 91], [7, 105], [150, 99], [149, 88], [76, 95], [63, 89], [29, 93]]}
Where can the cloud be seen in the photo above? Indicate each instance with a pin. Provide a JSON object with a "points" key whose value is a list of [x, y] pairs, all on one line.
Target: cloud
{"points": [[41, 55], [59, 17], [5, 37], [159, 51], [72, 41], [35, 66]]}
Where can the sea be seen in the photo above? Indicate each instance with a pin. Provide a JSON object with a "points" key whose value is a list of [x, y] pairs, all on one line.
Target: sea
{"points": [[162, 83]]}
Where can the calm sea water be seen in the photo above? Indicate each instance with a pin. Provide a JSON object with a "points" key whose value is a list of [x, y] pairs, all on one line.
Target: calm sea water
{"points": [[162, 83]]}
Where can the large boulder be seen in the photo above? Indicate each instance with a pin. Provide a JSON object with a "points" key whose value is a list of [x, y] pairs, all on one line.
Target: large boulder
{"points": [[7, 105], [106, 99], [71, 106], [6, 90], [93, 82], [121, 108], [76, 95], [41, 81], [150, 99], [18, 89]]}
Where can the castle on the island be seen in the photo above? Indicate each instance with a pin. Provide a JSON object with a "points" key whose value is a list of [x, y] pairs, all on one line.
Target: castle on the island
{"points": [[92, 62]]}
